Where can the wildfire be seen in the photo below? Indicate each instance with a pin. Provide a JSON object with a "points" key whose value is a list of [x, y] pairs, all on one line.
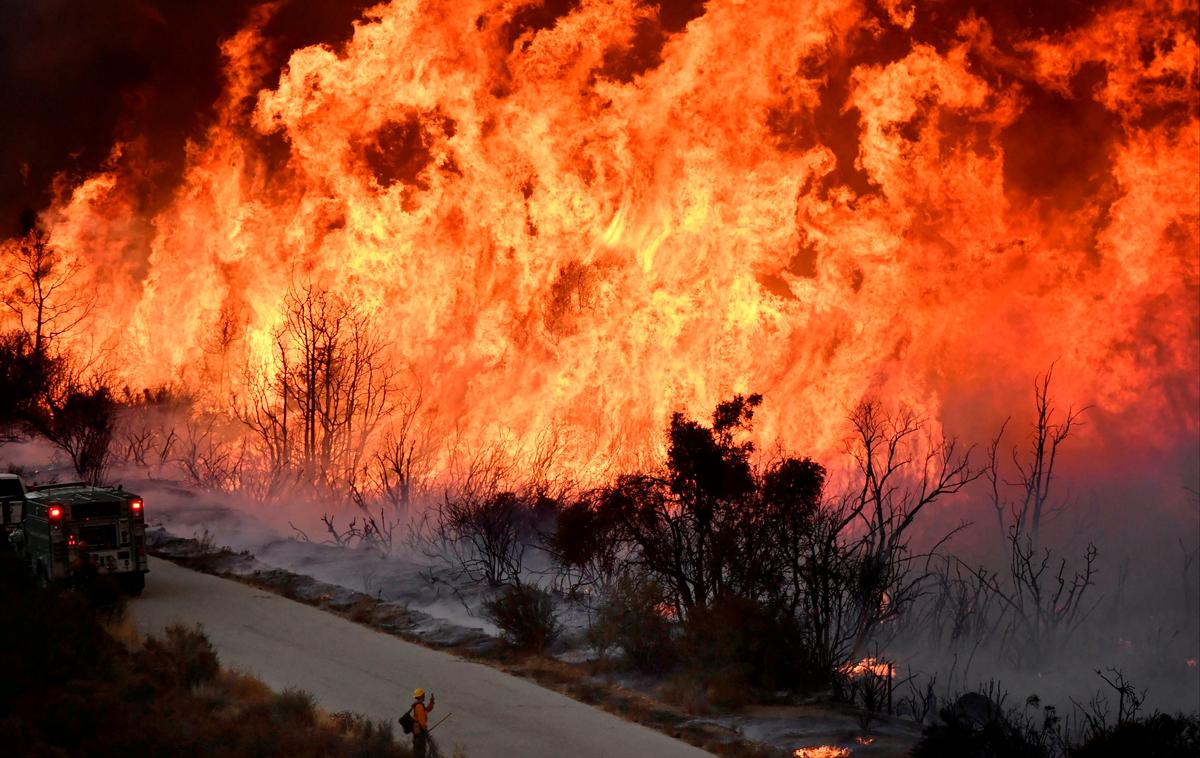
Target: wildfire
{"points": [[585, 215]]}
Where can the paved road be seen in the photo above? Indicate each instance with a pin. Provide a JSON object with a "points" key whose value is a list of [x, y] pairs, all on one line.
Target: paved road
{"points": [[348, 667]]}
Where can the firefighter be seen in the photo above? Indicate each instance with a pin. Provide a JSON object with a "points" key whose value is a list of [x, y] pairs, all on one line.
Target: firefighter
{"points": [[420, 712]]}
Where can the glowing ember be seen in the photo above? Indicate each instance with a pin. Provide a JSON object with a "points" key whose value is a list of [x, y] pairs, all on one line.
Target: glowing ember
{"points": [[864, 740], [874, 666], [587, 215], [821, 751]]}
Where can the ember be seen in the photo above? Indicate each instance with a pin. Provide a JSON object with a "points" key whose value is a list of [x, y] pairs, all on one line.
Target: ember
{"points": [[875, 666], [821, 751]]}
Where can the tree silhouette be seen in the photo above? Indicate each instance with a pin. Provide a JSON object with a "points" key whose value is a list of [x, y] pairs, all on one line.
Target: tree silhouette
{"points": [[37, 285], [315, 411], [728, 538]]}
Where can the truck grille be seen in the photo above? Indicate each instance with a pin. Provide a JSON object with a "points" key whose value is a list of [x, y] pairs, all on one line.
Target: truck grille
{"points": [[100, 536]]}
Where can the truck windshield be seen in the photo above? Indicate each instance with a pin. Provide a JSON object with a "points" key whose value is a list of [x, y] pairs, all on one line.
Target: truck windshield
{"points": [[10, 488]]}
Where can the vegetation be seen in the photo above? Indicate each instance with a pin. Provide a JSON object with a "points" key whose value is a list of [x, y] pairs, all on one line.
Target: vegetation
{"points": [[978, 726], [525, 615], [1043, 599], [487, 535], [72, 688], [725, 572], [313, 411], [773, 579], [630, 620], [45, 389]]}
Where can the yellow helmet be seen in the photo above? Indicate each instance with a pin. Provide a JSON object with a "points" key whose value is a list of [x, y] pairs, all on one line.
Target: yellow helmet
{"points": [[418, 693]]}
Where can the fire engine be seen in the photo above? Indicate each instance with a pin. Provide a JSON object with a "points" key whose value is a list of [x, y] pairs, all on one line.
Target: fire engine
{"points": [[68, 529]]}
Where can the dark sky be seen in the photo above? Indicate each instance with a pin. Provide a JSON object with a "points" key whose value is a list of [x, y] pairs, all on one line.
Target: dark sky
{"points": [[76, 76]]}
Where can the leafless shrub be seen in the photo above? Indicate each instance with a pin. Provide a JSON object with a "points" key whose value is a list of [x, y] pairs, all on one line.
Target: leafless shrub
{"points": [[405, 457], [919, 701], [146, 426], [852, 567], [79, 418], [902, 470], [1129, 702], [961, 607], [545, 475], [208, 460], [1045, 599], [206, 550], [300, 535], [483, 470], [315, 411], [487, 536], [383, 532], [1046, 606], [364, 531], [1035, 470], [138, 445], [379, 532], [347, 537]]}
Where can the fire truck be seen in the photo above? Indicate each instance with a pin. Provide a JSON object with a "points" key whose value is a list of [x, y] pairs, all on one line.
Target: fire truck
{"points": [[70, 529]]}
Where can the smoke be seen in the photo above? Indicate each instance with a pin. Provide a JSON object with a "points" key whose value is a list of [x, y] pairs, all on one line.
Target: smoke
{"points": [[77, 78]]}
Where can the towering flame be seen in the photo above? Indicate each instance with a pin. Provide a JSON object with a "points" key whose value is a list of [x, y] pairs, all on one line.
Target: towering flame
{"points": [[584, 214]]}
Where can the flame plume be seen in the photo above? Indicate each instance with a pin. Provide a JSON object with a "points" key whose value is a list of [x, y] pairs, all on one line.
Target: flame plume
{"points": [[587, 213]]}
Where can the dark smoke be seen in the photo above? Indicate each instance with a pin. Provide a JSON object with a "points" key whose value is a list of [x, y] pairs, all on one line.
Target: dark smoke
{"points": [[77, 77]]}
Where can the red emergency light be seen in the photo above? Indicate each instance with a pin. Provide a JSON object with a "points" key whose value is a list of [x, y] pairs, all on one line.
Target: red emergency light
{"points": [[55, 513], [135, 506]]}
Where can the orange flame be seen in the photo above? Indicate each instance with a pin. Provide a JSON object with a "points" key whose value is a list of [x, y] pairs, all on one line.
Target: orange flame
{"points": [[821, 751], [874, 666], [589, 222]]}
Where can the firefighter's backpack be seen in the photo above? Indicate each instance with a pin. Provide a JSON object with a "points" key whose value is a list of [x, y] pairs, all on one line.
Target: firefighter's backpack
{"points": [[407, 721]]}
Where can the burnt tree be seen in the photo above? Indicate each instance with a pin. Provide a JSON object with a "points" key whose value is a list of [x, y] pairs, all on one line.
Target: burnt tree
{"points": [[37, 291], [1045, 598], [316, 409], [719, 533]]}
